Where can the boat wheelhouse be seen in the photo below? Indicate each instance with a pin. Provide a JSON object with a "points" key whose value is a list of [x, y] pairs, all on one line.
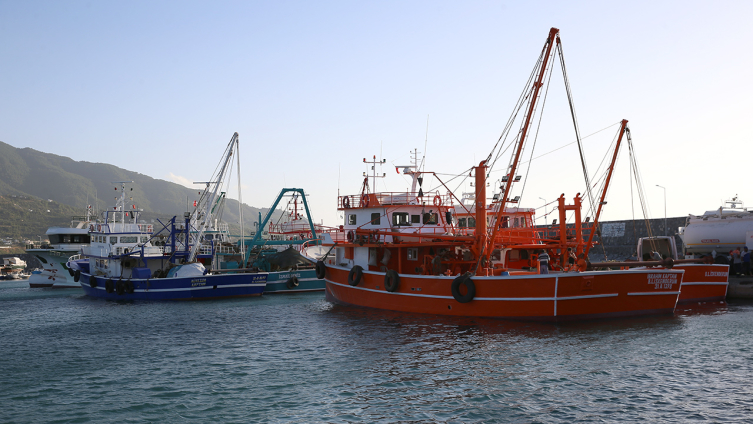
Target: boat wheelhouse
{"points": [[53, 255]]}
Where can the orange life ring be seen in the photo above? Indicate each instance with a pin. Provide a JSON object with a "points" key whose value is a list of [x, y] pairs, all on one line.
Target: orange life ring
{"points": [[365, 200], [346, 203], [99, 227], [437, 201], [351, 236], [91, 227]]}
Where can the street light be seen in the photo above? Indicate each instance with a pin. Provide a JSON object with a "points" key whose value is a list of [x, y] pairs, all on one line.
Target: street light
{"points": [[665, 208], [545, 213]]}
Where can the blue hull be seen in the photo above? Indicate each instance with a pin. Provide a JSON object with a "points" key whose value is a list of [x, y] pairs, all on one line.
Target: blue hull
{"points": [[186, 288], [277, 282]]}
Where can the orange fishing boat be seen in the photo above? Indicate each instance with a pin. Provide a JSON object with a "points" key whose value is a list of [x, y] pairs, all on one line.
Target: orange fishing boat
{"points": [[403, 251], [703, 281]]}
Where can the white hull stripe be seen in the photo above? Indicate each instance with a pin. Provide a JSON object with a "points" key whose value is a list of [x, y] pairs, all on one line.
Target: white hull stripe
{"points": [[500, 299], [653, 293], [522, 276], [188, 288], [701, 283]]}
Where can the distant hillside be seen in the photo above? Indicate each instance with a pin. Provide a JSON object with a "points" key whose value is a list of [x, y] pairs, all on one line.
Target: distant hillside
{"points": [[35, 177]]}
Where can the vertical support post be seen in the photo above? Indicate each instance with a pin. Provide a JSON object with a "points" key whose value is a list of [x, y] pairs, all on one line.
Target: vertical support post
{"points": [[563, 230]]}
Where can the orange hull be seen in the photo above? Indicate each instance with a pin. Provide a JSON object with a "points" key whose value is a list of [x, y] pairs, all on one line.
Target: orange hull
{"points": [[565, 296], [703, 282]]}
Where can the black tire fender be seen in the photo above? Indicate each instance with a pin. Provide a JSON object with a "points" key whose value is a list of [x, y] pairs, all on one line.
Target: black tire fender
{"points": [[292, 282], [391, 280], [320, 269], [129, 288], [77, 275], [120, 287], [355, 275], [469, 285], [93, 282], [109, 286]]}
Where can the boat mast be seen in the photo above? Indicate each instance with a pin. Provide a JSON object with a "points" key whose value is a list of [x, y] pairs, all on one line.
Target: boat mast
{"points": [[487, 251], [209, 205], [623, 130]]}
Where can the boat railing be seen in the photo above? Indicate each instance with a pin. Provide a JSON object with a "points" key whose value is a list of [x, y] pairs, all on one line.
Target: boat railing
{"points": [[430, 198]]}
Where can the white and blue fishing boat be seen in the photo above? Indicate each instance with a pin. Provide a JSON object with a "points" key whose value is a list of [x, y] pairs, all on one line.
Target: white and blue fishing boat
{"points": [[289, 247], [122, 262]]}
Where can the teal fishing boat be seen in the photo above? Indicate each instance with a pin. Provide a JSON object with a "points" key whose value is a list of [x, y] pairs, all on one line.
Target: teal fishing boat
{"points": [[288, 246]]}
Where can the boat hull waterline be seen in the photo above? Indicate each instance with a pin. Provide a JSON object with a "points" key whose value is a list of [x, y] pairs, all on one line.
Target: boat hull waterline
{"points": [[280, 282], [179, 288], [703, 282], [565, 296]]}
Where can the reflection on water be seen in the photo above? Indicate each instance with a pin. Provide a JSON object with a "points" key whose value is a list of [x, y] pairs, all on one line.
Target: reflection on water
{"points": [[301, 359]]}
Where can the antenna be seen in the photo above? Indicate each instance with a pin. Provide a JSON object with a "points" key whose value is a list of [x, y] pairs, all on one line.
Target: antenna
{"points": [[374, 162], [426, 141]]}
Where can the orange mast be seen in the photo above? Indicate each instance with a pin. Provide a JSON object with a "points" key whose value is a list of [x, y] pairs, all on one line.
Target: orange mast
{"points": [[623, 128], [487, 251]]}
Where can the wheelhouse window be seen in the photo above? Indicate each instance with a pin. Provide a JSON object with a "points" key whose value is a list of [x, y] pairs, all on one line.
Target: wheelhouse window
{"points": [[471, 222], [375, 218], [431, 219], [144, 239], [413, 254], [462, 223], [415, 219], [352, 219], [113, 240], [400, 218], [129, 239]]}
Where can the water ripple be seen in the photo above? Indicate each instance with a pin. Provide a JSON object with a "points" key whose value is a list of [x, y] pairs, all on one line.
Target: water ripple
{"points": [[298, 359]]}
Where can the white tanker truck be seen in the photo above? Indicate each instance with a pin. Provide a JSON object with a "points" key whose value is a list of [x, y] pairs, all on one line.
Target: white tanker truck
{"points": [[720, 230]]}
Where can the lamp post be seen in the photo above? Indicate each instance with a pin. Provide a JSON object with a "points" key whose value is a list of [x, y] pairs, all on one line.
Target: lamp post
{"points": [[545, 213], [665, 208]]}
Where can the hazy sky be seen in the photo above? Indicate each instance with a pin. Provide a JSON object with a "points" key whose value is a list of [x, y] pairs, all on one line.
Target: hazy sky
{"points": [[312, 88]]}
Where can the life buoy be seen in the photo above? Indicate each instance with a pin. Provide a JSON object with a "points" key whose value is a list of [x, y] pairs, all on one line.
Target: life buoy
{"points": [[292, 282], [91, 227], [93, 282], [437, 200], [365, 200], [109, 286], [346, 203], [320, 269], [465, 280], [351, 236], [391, 280], [129, 287], [355, 274], [120, 287], [77, 275], [99, 227]]}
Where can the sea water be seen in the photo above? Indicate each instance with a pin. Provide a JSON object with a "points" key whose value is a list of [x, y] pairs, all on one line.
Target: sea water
{"points": [[67, 358]]}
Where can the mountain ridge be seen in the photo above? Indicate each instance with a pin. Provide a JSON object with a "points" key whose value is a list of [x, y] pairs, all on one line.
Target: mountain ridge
{"points": [[53, 188]]}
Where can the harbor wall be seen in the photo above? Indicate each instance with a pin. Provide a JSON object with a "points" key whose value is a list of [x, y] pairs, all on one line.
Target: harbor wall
{"points": [[619, 239]]}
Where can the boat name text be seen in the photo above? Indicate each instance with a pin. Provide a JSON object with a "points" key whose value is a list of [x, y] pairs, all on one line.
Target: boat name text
{"points": [[662, 281], [199, 282]]}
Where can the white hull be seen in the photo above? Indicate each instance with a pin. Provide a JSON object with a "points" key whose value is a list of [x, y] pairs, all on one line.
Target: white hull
{"points": [[54, 272]]}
